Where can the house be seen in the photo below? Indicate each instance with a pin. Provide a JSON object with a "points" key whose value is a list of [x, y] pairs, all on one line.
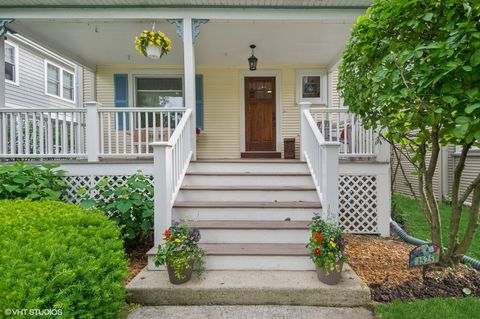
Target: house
{"points": [[208, 127], [443, 177], [37, 77]]}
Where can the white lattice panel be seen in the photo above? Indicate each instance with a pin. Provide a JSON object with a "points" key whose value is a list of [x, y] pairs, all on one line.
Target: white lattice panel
{"points": [[358, 207], [89, 181]]}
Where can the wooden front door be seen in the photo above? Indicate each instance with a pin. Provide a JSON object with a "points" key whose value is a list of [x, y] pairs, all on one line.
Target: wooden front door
{"points": [[260, 130]]}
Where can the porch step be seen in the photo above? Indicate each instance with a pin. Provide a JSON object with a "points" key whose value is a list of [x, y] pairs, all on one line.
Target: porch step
{"points": [[249, 224], [257, 231], [249, 288], [251, 256], [247, 193], [248, 166], [251, 179], [246, 204]]}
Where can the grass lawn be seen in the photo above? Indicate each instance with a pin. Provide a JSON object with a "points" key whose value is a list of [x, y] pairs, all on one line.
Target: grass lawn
{"points": [[418, 226], [445, 308]]}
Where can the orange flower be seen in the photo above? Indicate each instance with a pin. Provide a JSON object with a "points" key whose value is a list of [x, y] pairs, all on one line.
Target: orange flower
{"points": [[317, 251], [167, 234], [317, 237]]}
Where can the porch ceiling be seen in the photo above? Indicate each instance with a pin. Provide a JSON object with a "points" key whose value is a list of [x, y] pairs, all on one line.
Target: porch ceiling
{"points": [[221, 42]]}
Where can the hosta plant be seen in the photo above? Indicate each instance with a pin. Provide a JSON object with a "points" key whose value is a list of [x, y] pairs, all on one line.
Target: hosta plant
{"points": [[180, 250], [326, 245]]}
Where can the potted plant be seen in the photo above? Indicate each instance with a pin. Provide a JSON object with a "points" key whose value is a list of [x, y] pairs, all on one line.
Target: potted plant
{"points": [[153, 44], [327, 250], [181, 253]]}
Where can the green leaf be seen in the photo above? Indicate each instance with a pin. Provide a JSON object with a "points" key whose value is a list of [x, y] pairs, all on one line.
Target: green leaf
{"points": [[428, 16], [467, 68], [88, 204], [469, 109], [475, 58], [124, 206], [462, 120], [467, 291]]}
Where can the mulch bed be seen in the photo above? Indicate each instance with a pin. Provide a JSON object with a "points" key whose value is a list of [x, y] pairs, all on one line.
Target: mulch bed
{"points": [[382, 263], [137, 256]]}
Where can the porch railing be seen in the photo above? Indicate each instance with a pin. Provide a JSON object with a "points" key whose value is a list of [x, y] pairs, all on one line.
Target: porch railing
{"points": [[321, 156], [91, 132], [129, 131], [338, 125], [171, 160], [42, 132]]}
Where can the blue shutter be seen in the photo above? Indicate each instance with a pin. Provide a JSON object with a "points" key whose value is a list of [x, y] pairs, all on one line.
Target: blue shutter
{"points": [[199, 102], [120, 82]]}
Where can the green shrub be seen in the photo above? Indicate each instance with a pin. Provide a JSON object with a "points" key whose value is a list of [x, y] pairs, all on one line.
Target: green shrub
{"points": [[129, 205], [56, 255], [31, 181]]}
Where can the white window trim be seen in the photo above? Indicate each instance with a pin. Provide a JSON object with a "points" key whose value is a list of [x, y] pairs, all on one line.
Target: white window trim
{"points": [[17, 64], [61, 69], [322, 73]]}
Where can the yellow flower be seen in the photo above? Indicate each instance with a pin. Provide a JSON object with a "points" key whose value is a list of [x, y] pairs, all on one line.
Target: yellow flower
{"points": [[333, 244], [169, 47], [150, 43], [152, 33], [177, 241], [145, 31]]}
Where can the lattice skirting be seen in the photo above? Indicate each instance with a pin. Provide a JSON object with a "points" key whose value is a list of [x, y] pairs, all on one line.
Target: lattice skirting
{"points": [[358, 207], [89, 181]]}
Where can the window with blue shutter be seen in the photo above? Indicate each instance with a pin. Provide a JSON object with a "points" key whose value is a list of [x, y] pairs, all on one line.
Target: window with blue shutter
{"points": [[199, 98], [120, 82]]}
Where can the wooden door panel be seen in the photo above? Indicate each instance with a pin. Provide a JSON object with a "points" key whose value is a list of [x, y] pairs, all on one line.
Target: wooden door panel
{"points": [[260, 132]]}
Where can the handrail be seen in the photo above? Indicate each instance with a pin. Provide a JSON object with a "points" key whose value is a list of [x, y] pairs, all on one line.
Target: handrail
{"points": [[141, 109], [41, 109], [322, 160], [171, 160], [180, 127]]}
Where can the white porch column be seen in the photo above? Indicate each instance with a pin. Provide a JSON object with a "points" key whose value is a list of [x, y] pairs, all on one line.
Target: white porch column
{"points": [[162, 179], [189, 73], [93, 131], [2, 71], [303, 127]]}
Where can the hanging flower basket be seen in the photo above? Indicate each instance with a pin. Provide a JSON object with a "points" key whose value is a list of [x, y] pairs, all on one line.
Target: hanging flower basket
{"points": [[153, 44]]}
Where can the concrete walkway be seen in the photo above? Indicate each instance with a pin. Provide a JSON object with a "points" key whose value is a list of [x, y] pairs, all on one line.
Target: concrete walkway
{"points": [[249, 312]]}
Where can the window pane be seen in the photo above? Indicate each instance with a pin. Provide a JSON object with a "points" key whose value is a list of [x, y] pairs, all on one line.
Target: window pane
{"points": [[9, 54], [159, 99], [311, 86], [68, 85], [174, 84], [159, 92], [53, 80], [9, 71]]}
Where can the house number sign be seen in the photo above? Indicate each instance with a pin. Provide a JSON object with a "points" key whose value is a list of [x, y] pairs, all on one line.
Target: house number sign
{"points": [[423, 255]]}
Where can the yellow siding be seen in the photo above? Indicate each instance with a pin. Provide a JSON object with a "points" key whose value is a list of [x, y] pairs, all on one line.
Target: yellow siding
{"points": [[221, 138]]}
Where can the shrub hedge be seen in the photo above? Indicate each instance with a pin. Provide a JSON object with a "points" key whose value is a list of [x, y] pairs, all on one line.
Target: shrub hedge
{"points": [[59, 256]]}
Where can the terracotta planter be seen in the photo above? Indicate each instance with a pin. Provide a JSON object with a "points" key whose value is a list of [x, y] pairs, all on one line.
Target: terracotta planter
{"points": [[332, 278], [186, 274]]}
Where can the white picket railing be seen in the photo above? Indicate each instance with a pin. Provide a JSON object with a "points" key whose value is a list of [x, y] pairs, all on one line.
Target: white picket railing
{"points": [[42, 132], [338, 125], [171, 160], [322, 159], [91, 132], [129, 131]]}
